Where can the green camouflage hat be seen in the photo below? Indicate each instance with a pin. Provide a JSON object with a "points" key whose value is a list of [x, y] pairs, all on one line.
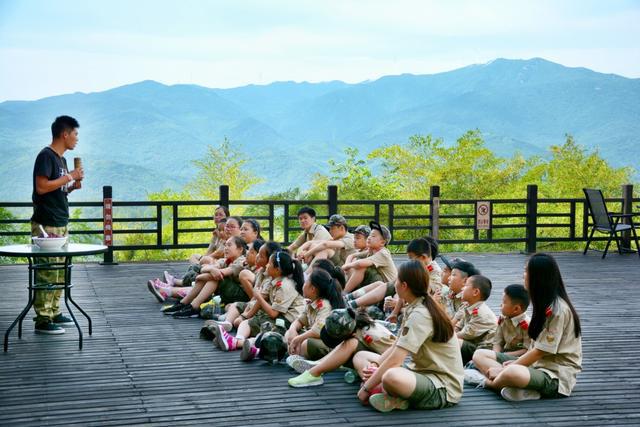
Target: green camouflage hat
{"points": [[272, 346], [340, 323], [375, 313]]}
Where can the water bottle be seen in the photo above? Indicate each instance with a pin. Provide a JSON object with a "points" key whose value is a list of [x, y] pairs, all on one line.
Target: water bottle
{"points": [[351, 376], [393, 327], [217, 308]]}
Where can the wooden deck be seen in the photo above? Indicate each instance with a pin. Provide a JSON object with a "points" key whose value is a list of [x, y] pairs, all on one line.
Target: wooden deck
{"points": [[141, 367]]}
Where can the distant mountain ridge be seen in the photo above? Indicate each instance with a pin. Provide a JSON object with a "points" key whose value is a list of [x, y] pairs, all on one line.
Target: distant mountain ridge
{"points": [[141, 137]]}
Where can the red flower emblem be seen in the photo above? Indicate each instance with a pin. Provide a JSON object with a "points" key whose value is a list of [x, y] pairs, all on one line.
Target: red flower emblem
{"points": [[319, 304], [500, 319], [278, 283], [524, 325], [548, 312], [475, 311], [368, 339], [429, 268], [228, 261]]}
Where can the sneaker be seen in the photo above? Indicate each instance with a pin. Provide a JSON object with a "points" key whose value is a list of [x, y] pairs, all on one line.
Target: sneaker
{"points": [[382, 402], [474, 377], [49, 328], [225, 341], [299, 363], [170, 309], [226, 325], [187, 311], [305, 379], [206, 333], [62, 320], [513, 394], [169, 278], [249, 351], [157, 291]]}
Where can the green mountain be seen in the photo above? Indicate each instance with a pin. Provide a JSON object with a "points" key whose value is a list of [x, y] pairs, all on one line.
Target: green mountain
{"points": [[142, 137]]}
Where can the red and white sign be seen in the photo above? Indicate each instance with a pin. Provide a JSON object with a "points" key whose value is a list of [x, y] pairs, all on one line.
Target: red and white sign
{"points": [[483, 215], [107, 215]]}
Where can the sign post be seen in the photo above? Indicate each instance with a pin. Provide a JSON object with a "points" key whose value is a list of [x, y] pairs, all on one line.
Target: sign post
{"points": [[483, 215]]}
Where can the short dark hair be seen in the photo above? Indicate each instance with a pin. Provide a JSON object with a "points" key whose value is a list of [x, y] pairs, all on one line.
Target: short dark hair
{"points": [[307, 210], [419, 247], [518, 295], [482, 283], [434, 246], [63, 124], [466, 267]]}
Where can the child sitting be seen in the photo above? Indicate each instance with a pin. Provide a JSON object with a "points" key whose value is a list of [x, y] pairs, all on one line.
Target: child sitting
{"points": [[337, 249], [284, 302], [347, 332], [310, 230], [477, 325], [512, 336], [222, 276], [322, 296], [376, 260], [460, 271]]}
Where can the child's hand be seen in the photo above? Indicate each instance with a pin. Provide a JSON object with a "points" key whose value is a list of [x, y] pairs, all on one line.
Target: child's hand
{"points": [[368, 371], [294, 345], [390, 304], [363, 396], [492, 373], [393, 318]]}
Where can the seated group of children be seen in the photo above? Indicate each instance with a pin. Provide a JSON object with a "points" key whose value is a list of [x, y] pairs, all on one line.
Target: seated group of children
{"points": [[321, 301]]}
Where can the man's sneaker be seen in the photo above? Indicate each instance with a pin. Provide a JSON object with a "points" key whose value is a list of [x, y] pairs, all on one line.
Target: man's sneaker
{"points": [[225, 341], [384, 403], [169, 278], [305, 379], [249, 351], [49, 328], [186, 312], [299, 363], [513, 394], [62, 320], [474, 377], [157, 291], [170, 309]]}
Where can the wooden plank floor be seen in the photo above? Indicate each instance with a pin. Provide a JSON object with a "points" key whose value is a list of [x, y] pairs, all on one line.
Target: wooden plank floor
{"points": [[141, 367]]}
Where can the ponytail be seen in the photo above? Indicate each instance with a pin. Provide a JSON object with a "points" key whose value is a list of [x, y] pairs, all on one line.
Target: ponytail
{"points": [[290, 268], [327, 287], [335, 272]]}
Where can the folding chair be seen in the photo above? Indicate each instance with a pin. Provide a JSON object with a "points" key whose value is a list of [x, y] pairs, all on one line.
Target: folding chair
{"points": [[605, 222]]}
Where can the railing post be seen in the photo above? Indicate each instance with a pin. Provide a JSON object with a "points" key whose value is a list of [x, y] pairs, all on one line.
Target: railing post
{"points": [[224, 196], [107, 224], [532, 217], [434, 195], [627, 200], [332, 197]]}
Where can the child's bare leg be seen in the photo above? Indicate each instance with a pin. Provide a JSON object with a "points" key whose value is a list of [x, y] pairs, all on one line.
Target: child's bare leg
{"points": [[195, 290], [484, 360], [336, 358], [355, 278], [232, 313], [207, 290], [399, 382], [244, 332], [195, 259], [362, 359], [376, 293], [512, 376], [247, 278], [178, 282], [206, 260]]}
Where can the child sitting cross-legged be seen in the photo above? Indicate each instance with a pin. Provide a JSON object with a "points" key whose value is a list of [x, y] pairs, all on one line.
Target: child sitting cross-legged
{"points": [[460, 271], [433, 377], [322, 294], [477, 325], [512, 336], [347, 332]]}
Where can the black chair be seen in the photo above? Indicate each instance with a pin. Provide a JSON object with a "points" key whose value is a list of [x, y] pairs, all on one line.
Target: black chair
{"points": [[605, 222]]}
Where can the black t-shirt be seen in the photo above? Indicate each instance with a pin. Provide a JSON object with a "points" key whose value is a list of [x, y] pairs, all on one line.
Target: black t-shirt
{"points": [[51, 208]]}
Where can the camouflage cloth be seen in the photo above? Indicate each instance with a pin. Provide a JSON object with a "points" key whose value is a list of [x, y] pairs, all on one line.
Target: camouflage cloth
{"points": [[47, 303]]}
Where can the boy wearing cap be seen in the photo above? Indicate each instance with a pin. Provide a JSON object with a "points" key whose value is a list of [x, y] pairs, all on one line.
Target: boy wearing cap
{"points": [[377, 258], [477, 326], [310, 229], [337, 249], [460, 271]]}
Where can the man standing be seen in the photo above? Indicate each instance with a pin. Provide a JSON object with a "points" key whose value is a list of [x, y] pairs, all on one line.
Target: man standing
{"points": [[52, 182]]}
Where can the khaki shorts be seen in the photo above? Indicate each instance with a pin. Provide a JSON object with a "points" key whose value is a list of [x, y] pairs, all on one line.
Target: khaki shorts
{"points": [[426, 395], [371, 275], [316, 349], [543, 383]]}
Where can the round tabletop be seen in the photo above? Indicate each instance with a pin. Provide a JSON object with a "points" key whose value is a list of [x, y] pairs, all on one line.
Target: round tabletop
{"points": [[71, 249]]}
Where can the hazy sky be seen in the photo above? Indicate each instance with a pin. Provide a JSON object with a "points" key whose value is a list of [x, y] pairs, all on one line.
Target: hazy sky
{"points": [[52, 47]]}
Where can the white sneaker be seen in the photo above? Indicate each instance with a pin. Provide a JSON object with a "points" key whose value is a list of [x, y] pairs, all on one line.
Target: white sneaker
{"points": [[474, 377], [299, 363], [513, 394]]}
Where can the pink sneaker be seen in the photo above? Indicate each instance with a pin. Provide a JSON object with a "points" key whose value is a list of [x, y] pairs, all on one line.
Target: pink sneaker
{"points": [[161, 294], [249, 351], [169, 278], [160, 284], [225, 341]]}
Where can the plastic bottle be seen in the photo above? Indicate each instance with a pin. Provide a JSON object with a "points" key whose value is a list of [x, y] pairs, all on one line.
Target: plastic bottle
{"points": [[351, 376]]}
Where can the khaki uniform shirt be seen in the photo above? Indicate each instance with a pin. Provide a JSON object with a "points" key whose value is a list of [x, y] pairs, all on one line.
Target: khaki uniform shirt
{"points": [[236, 266], [375, 338], [383, 262], [440, 362], [340, 255], [285, 299], [262, 284], [215, 243], [513, 333], [316, 232], [478, 325], [455, 305], [314, 313], [557, 338]]}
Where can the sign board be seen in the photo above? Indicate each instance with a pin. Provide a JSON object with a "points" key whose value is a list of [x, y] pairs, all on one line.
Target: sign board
{"points": [[483, 215], [107, 216]]}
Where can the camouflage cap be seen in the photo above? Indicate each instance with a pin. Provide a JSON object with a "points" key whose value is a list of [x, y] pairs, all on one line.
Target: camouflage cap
{"points": [[386, 234], [272, 346], [375, 313], [362, 229], [336, 219], [339, 325]]}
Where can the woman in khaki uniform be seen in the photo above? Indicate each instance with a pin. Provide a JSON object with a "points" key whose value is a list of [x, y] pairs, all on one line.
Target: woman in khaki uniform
{"points": [[550, 366], [433, 378]]}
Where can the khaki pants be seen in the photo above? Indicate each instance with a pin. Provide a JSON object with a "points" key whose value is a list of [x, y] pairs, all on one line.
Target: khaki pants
{"points": [[47, 303]]}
